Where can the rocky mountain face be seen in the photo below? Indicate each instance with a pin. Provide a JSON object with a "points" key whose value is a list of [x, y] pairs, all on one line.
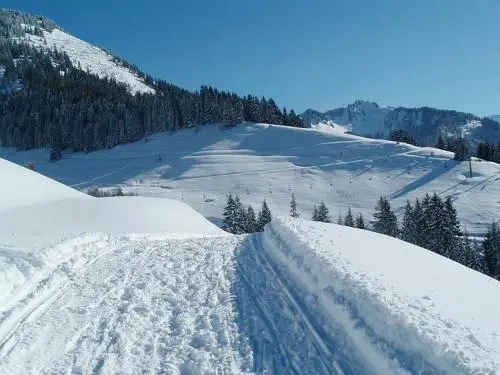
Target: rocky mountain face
{"points": [[425, 124]]}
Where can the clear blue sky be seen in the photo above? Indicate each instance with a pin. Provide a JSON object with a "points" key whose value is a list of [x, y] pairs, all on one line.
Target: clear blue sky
{"points": [[306, 54]]}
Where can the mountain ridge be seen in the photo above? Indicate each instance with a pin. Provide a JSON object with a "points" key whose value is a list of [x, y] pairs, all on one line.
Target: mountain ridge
{"points": [[67, 94], [425, 124]]}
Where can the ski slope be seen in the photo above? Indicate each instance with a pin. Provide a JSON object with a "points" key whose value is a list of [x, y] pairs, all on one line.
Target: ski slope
{"points": [[259, 161], [89, 58], [119, 293]]}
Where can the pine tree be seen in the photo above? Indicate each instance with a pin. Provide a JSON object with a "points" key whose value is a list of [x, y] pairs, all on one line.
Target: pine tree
{"points": [[315, 214], [441, 144], [229, 215], [293, 204], [409, 225], [340, 220], [240, 217], [491, 248], [385, 219], [264, 218], [451, 228], [321, 213], [349, 218], [360, 221], [251, 221]]}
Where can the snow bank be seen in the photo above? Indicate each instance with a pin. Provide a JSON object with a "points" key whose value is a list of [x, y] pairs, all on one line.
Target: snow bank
{"points": [[20, 186], [36, 211], [403, 307]]}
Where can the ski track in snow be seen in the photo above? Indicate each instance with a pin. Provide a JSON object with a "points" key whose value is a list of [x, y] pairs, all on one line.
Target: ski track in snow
{"points": [[149, 306]]}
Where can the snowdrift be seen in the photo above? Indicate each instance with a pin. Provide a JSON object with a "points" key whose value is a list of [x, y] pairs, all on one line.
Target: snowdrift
{"points": [[36, 211], [20, 186], [402, 308]]}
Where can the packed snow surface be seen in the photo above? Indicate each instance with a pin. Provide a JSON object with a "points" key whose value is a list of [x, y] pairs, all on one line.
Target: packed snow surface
{"points": [[258, 161], [89, 58]]}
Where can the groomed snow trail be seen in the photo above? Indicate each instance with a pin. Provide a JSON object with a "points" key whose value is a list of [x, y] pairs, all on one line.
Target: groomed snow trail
{"points": [[285, 336], [135, 305]]}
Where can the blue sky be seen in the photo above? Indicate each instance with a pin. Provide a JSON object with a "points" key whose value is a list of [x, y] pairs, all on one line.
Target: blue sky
{"points": [[305, 54]]}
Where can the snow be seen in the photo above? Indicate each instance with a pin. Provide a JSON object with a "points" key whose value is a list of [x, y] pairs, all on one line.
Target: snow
{"points": [[21, 186], [125, 305], [147, 285], [258, 161], [89, 58], [407, 309]]}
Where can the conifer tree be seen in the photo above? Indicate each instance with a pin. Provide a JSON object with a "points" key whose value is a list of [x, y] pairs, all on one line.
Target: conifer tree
{"points": [[322, 214], [385, 219], [293, 206], [349, 218], [491, 248], [315, 214], [409, 225], [264, 217], [251, 221], [229, 214], [240, 221], [340, 220], [360, 221]]}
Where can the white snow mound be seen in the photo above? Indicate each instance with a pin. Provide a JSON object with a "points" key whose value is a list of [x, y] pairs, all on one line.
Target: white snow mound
{"points": [[401, 306], [21, 186]]}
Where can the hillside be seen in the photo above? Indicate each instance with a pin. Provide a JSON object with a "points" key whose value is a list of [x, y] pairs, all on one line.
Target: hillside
{"points": [[270, 162], [425, 124], [59, 92], [301, 297]]}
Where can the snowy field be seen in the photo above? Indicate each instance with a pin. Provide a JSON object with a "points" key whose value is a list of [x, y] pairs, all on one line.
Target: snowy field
{"points": [[271, 162], [147, 285]]}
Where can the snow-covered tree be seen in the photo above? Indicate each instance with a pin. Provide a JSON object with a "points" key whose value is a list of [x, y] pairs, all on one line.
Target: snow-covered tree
{"points": [[293, 206], [491, 248], [264, 217], [360, 221], [340, 220], [251, 221], [321, 213], [349, 218], [234, 218], [385, 219], [409, 225]]}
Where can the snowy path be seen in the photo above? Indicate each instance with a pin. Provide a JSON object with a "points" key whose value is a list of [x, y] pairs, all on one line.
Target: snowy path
{"points": [[138, 306], [285, 336]]}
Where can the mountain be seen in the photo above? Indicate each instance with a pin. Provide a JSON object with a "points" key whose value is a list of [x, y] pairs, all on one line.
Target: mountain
{"points": [[495, 118], [59, 92], [425, 124], [101, 294]]}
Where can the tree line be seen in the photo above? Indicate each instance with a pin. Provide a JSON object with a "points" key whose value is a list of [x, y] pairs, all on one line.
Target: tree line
{"points": [[63, 107], [430, 222]]}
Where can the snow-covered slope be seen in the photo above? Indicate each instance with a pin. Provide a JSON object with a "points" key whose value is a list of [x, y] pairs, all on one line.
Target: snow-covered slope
{"points": [[270, 162], [85, 288], [21, 186], [89, 58], [390, 306], [36, 211]]}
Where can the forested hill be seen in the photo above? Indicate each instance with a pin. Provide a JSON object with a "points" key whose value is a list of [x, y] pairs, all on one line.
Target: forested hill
{"points": [[59, 92]]}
